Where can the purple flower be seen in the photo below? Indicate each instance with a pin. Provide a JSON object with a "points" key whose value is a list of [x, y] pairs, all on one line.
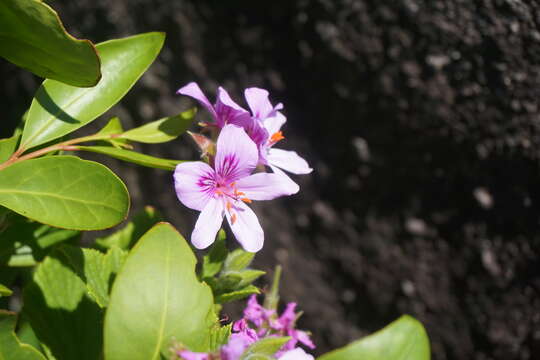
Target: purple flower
{"points": [[225, 189], [190, 355], [225, 111], [272, 121], [255, 313], [295, 354]]}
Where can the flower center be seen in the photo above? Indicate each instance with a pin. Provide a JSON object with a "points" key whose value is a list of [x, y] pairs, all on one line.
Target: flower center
{"points": [[230, 194]]}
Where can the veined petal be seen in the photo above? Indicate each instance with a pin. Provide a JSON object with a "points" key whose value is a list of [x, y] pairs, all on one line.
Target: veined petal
{"points": [[229, 112], [265, 186], [289, 161], [274, 123], [246, 227], [236, 154], [292, 187], [193, 90], [208, 224], [192, 182], [258, 102]]}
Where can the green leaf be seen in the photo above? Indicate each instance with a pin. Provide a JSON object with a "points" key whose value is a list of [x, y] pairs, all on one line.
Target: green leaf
{"points": [[96, 270], [265, 347], [114, 126], [126, 237], [58, 109], [219, 336], [8, 147], [4, 291], [33, 37], [10, 345], [238, 260], [162, 130], [64, 191], [156, 299], [404, 339], [237, 294], [133, 157], [63, 316], [213, 261]]}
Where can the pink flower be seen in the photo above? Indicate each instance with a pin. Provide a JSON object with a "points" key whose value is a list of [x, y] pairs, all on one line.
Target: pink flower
{"points": [[190, 355], [272, 121], [226, 188], [295, 354]]}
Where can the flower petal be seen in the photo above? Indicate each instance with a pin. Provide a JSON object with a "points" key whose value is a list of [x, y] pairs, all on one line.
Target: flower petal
{"points": [[296, 354], [291, 186], [229, 112], [265, 186], [289, 161], [274, 123], [208, 224], [236, 154], [193, 90], [246, 227], [258, 102], [189, 183]]}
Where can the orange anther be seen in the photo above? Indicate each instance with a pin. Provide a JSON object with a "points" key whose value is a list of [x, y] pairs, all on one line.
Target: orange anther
{"points": [[228, 206], [238, 193], [218, 192], [246, 200], [276, 137], [233, 218]]}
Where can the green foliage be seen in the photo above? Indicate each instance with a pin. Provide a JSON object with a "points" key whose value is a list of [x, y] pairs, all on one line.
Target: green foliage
{"points": [[10, 346], [114, 126], [4, 291], [219, 336], [126, 237], [404, 339], [33, 37], [62, 314], [227, 273], [265, 348], [133, 157], [59, 109], [8, 147], [162, 130], [64, 191], [156, 299], [24, 242]]}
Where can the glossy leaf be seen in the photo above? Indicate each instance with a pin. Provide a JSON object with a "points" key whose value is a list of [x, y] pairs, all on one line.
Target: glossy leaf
{"points": [[4, 291], [96, 270], [237, 294], [133, 157], [238, 260], [63, 316], [126, 237], [162, 130], [64, 191], [58, 109], [213, 261], [404, 339], [157, 299], [265, 347], [10, 346], [33, 37], [114, 126], [8, 147]]}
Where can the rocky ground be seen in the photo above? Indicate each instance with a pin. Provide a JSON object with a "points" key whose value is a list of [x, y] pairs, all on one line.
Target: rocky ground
{"points": [[421, 120]]}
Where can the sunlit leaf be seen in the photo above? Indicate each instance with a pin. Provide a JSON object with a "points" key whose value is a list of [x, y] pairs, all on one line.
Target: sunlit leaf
{"points": [[162, 130], [133, 157], [64, 191], [8, 147], [33, 37], [10, 346], [157, 299], [58, 109], [404, 339]]}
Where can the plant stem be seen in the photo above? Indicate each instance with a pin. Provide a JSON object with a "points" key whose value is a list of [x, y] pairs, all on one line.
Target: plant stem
{"points": [[272, 299], [66, 145]]}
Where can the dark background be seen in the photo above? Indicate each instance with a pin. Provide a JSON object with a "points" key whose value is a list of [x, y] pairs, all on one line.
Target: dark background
{"points": [[421, 120]]}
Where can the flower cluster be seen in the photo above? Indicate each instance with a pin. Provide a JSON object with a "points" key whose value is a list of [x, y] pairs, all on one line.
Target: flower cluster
{"points": [[229, 181], [259, 323]]}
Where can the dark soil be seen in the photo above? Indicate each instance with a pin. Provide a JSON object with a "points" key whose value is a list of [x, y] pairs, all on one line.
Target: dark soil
{"points": [[421, 119]]}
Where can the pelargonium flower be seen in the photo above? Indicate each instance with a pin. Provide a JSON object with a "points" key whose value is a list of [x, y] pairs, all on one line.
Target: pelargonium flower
{"points": [[226, 188], [272, 121], [295, 354]]}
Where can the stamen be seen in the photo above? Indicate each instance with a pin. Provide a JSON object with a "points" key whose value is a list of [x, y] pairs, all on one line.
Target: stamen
{"points": [[233, 218], [276, 137], [238, 193], [246, 200], [228, 206]]}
